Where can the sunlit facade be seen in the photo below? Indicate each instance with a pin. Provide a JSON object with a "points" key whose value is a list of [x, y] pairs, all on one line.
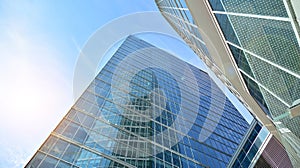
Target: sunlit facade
{"points": [[142, 110], [254, 47]]}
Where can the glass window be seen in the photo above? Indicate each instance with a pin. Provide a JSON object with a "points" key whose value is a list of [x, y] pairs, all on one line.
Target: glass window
{"points": [[48, 162], [216, 5], [49, 143], [71, 130], [80, 135], [88, 122], [63, 164], [36, 160], [71, 153], [58, 148]]}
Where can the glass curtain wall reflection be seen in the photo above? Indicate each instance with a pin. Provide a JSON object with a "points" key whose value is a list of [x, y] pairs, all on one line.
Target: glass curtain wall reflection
{"points": [[263, 38], [147, 108]]}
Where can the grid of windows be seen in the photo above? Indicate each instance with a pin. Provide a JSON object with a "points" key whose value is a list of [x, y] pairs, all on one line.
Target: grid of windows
{"points": [[110, 126], [261, 7], [270, 39], [175, 11], [180, 17], [264, 44], [250, 146], [180, 23]]}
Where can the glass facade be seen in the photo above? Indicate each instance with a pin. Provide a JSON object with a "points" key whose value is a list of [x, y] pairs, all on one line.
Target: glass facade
{"points": [[180, 18], [265, 35], [264, 42], [250, 146], [147, 108]]}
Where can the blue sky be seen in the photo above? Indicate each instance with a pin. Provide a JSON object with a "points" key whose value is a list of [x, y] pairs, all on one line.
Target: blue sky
{"points": [[40, 42]]}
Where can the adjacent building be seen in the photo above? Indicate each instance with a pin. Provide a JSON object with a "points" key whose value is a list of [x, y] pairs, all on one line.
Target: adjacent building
{"points": [[253, 46], [148, 108]]}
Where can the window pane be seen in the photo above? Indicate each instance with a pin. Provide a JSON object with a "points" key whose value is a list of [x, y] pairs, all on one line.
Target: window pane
{"points": [[71, 153], [48, 162]]}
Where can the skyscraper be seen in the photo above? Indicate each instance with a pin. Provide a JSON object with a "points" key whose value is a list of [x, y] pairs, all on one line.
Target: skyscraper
{"points": [[254, 47], [147, 108]]}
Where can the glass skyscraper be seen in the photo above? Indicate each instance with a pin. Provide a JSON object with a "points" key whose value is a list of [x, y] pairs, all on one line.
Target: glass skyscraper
{"points": [[147, 108], [259, 39]]}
